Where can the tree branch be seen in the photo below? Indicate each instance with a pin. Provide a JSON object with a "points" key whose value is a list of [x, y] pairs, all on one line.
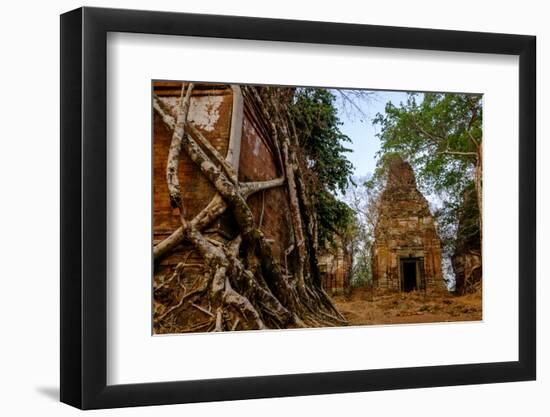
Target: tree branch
{"points": [[345, 97], [175, 148], [249, 188], [474, 140], [199, 137], [431, 136], [458, 153], [190, 129], [216, 206], [212, 211], [235, 135]]}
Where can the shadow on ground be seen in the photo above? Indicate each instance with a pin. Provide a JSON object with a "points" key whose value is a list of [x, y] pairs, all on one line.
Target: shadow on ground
{"points": [[49, 392]]}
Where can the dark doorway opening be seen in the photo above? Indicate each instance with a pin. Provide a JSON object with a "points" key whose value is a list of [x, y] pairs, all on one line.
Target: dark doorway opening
{"points": [[410, 281]]}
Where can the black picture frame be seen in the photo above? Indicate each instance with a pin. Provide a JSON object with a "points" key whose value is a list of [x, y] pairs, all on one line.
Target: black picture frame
{"points": [[84, 207]]}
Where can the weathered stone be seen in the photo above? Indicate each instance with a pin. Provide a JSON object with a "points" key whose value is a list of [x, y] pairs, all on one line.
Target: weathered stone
{"points": [[407, 249], [466, 259], [335, 263]]}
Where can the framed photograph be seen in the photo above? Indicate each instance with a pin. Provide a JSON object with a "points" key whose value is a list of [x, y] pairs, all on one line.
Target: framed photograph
{"points": [[257, 208]]}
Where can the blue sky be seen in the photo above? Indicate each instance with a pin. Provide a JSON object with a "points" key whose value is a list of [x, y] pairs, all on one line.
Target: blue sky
{"points": [[365, 144]]}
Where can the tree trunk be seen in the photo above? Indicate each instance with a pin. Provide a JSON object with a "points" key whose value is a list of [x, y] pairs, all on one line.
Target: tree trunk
{"points": [[478, 177], [243, 286]]}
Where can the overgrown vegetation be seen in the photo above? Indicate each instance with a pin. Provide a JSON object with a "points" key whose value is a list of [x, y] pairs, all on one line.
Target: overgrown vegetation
{"points": [[243, 285], [361, 197], [323, 156], [440, 134]]}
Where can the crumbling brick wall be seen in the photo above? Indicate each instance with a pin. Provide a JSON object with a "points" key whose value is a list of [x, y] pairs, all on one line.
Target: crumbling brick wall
{"points": [[210, 111], [335, 263]]}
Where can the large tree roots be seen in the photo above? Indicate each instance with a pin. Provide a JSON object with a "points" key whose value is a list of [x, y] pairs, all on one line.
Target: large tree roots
{"points": [[238, 284]]}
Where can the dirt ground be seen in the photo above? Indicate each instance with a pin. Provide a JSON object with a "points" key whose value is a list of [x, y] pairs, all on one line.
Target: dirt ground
{"points": [[366, 306]]}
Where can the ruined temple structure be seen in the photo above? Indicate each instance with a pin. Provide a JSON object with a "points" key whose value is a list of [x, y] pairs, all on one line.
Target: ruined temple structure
{"points": [[466, 259], [407, 249], [335, 267]]}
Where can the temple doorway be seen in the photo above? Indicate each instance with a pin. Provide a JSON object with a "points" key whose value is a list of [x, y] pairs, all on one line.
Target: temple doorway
{"points": [[411, 276]]}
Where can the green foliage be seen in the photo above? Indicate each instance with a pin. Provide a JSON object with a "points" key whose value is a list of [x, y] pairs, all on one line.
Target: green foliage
{"points": [[440, 134], [361, 252], [468, 236], [323, 149], [436, 133], [316, 117], [333, 216]]}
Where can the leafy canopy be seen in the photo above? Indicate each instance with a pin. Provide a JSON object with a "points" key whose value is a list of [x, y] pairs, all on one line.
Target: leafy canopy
{"points": [[440, 134], [324, 154], [437, 134]]}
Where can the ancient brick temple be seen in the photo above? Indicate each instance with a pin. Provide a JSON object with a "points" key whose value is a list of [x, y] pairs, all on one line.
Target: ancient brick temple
{"points": [[335, 267], [407, 249]]}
